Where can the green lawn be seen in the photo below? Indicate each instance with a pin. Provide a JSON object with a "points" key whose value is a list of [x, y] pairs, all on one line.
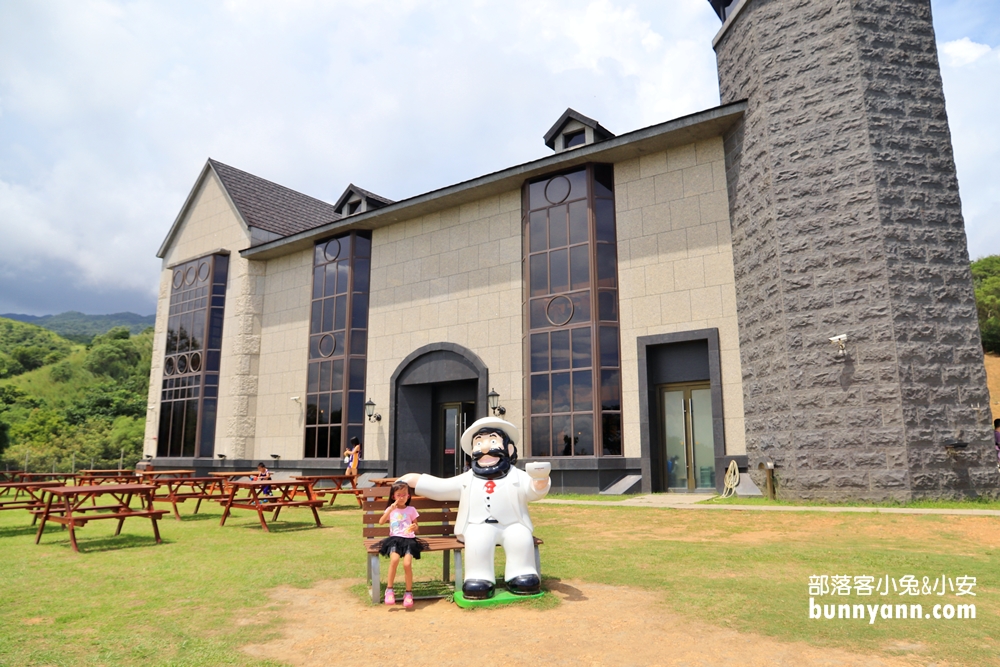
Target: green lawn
{"points": [[203, 593]]}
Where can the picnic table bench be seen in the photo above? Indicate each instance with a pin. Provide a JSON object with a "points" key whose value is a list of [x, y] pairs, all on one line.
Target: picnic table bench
{"points": [[24, 496], [176, 490], [336, 489], [283, 495], [96, 480], [64, 478], [11, 475], [71, 511]]}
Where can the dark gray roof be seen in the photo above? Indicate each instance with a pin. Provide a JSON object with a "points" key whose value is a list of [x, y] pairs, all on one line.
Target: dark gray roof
{"points": [[272, 207], [600, 132]]}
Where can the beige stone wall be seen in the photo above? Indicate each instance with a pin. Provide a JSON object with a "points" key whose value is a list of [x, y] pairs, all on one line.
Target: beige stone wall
{"points": [[455, 277], [211, 224], [675, 268], [284, 352]]}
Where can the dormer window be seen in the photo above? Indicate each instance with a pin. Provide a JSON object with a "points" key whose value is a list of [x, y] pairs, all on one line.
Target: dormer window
{"points": [[573, 130], [356, 200]]}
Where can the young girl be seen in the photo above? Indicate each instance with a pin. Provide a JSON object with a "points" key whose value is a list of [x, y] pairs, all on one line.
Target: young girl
{"points": [[262, 473], [402, 541]]}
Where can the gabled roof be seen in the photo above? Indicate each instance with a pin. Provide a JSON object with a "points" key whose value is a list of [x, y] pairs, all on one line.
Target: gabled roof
{"points": [[600, 133], [272, 207], [352, 189], [260, 204]]}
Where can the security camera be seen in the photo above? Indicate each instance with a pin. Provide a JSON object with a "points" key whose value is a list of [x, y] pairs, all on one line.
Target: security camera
{"points": [[839, 340]]}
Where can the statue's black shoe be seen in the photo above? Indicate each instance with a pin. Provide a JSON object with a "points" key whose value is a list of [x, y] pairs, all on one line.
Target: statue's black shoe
{"points": [[477, 589], [526, 584]]}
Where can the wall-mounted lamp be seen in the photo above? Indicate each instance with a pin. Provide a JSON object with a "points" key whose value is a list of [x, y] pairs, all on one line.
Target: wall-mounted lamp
{"points": [[494, 399], [841, 342], [148, 457], [221, 456], [275, 456], [370, 411]]}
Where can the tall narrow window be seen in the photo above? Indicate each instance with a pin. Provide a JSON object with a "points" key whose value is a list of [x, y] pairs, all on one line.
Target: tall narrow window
{"points": [[338, 344], [190, 394], [571, 312]]}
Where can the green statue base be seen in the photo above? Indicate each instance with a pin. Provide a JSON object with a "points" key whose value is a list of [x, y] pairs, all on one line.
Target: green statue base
{"points": [[499, 598]]}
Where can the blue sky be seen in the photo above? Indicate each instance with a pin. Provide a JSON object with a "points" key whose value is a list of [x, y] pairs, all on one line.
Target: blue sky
{"points": [[108, 110]]}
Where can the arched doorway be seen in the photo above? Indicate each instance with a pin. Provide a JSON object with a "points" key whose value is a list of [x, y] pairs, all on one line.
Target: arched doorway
{"points": [[436, 390]]}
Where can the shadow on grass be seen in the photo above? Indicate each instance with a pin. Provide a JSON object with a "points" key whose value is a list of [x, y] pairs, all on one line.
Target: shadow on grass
{"points": [[112, 543], [281, 526], [569, 593]]}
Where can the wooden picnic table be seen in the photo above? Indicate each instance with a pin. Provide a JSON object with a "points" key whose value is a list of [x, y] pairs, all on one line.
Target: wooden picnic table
{"points": [[66, 505], [383, 481], [175, 490], [64, 478], [24, 495], [107, 471], [11, 475], [336, 489], [96, 480], [283, 494], [149, 475]]}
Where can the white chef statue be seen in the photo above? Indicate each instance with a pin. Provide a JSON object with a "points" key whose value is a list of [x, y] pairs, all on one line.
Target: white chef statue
{"points": [[493, 507]]}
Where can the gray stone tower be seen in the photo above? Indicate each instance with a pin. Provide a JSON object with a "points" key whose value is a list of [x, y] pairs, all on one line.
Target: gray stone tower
{"points": [[846, 220]]}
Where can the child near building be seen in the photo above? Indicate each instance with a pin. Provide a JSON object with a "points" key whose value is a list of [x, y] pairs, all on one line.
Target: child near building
{"points": [[402, 543], [262, 474]]}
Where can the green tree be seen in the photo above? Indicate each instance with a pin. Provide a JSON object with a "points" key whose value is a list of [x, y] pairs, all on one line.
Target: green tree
{"points": [[986, 280]]}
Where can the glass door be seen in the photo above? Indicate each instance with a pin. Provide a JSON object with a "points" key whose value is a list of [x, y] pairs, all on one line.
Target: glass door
{"points": [[454, 419], [688, 437]]}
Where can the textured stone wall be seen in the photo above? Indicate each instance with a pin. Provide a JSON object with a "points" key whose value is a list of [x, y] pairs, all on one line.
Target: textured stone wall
{"points": [[846, 220]]}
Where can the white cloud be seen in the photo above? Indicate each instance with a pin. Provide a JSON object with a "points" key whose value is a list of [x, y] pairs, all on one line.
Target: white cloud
{"points": [[961, 52], [971, 73]]}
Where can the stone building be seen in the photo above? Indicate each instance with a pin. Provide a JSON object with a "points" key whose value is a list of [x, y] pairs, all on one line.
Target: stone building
{"points": [[645, 307]]}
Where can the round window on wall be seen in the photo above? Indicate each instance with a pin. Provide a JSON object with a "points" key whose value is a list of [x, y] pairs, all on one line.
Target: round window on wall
{"points": [[559, 310], [557, 190], [182, 364], [327, 345], [168, 366], [178, 278], [203, 271], [332, 250], [194, 363], [189, 275]]}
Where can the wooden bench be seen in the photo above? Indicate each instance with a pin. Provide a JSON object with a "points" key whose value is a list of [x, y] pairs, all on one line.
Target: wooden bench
{"points": [[436, 527]]}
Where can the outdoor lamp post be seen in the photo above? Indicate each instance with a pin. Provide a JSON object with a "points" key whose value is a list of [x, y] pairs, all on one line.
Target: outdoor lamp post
{"points": [[370, 412], [494, 399]]}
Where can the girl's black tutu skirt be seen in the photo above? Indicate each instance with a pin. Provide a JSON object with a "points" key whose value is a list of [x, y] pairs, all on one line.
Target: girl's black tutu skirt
{"points": [[402, 546]]}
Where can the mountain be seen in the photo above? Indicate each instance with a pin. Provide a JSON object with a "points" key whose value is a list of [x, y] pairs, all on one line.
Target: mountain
{"points": [[81, 328]]}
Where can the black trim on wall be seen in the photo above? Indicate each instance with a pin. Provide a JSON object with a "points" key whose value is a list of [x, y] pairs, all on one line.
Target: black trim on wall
{"points": [[650, 440]]}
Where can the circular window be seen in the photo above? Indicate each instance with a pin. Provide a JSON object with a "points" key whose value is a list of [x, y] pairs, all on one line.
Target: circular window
{"points": [[557, 190], [178, 278], [332, 250], [168, 366], [203, 271], [559, 311], [327, 345], [195, 362], [189, 275], [182, 364]]}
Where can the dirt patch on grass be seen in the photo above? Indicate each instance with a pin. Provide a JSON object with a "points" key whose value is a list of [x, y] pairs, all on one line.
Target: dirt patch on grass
{"points": [[594, 625]]}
